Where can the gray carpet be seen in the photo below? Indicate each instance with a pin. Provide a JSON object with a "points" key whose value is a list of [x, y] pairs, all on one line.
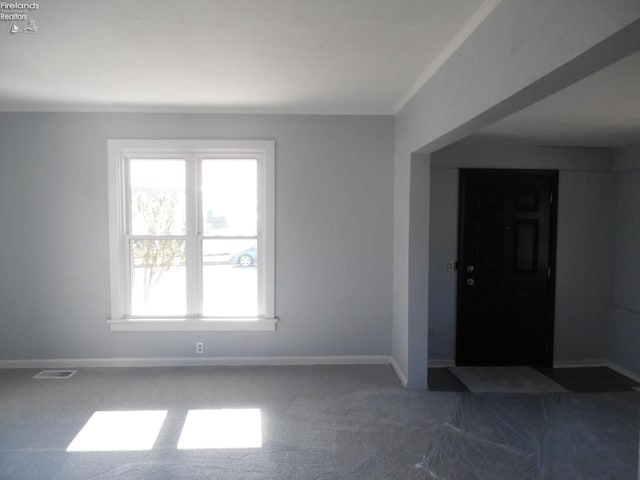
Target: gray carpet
{"points": [[505, 380], [324, 423]]}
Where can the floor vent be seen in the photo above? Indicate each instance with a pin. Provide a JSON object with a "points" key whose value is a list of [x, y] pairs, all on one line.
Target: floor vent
{"points": [[55, 374]]}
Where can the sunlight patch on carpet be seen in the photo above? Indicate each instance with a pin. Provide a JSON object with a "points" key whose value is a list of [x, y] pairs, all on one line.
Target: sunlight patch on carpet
{"points": [[222, 428], [114, 431]]}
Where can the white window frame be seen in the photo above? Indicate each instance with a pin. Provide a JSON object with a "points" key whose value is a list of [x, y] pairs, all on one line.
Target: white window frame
{"points": [[193, 151]]}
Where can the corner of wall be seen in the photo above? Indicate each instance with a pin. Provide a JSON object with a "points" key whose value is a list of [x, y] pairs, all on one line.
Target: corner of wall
{"points": [[399, 372]]}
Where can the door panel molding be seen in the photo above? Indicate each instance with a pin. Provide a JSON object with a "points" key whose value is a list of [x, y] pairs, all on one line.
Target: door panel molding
{"points": [[507, 230]]}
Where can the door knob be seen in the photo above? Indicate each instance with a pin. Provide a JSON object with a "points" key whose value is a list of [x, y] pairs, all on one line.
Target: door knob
{"points": [[471, 282], [470, 268]]}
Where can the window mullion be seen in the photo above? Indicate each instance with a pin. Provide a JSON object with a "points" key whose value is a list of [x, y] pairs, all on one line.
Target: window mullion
{"points": [[192, 245]]}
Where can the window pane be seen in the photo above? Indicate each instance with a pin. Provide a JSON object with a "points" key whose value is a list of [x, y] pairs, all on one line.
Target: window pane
{"points": [[230, 278], [157, 197], [158, 283], [230, 197]]}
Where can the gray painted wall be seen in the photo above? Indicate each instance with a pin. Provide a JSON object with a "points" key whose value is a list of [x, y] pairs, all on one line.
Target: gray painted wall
{"points": [[443, 247], [586, 229], [334, 178], [585, 242], [521, 53], [624, 330]]}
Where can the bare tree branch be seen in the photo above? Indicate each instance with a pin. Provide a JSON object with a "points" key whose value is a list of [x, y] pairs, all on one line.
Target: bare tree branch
{"points": [[157, 256]]}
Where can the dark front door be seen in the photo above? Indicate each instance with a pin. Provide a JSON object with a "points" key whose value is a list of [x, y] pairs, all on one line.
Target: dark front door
{"points": [[506, 267]]}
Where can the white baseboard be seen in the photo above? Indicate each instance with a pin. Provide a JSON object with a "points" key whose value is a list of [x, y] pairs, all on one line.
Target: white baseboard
{"points": [[272, 361], [207, 361], [624, 371], [441, 362], [594, 362], [600, 362], [191, 361], [399, 372]]}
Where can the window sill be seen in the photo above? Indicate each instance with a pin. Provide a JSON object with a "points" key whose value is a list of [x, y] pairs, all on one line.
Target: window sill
{"points": [[256, 324]]}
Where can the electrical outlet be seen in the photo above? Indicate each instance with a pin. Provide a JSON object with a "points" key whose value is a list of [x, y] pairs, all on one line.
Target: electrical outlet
{"points": [[200, 347], [451, 266]]}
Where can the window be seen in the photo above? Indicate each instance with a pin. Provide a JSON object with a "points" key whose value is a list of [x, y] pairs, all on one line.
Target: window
{"points": [[191, 235]]}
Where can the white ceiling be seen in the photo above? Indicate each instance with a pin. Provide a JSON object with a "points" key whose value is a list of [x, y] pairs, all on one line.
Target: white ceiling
{"points": [[294, 56], [602, 110]]}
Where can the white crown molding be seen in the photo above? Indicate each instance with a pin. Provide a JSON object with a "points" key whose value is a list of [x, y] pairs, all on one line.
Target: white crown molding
{"points": [[459, 38], [467, 29], [465, 32], [181, 109]]}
